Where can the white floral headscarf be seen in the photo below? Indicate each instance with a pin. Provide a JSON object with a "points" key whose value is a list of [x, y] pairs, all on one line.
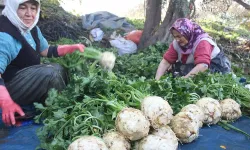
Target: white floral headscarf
{"points": [[10, 11]]}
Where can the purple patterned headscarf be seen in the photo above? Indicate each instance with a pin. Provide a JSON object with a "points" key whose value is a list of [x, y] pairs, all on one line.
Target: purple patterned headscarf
{"points": [[191, 31]]}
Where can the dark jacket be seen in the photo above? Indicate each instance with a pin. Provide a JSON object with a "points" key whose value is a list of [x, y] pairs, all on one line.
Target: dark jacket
{"points": [[27, 55]]}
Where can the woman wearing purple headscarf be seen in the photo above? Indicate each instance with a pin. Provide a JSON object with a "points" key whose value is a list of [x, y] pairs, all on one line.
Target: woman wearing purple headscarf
{"points": [[191, 52]]}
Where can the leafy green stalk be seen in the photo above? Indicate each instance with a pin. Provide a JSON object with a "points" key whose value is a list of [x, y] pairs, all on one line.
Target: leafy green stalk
{"points": [[228, 126], [90, 52]]}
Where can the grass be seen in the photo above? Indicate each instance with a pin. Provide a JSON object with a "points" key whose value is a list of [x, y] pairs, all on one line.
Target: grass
{"points": [[225, 31], [137, 23]]}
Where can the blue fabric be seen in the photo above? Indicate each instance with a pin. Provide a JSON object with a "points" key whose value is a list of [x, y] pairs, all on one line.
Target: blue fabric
{"points": [[215, 137], [21, 138], [211, 138], [10, 47]]}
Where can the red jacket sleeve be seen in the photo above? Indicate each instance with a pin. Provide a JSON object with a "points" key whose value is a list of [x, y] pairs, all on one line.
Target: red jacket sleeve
{"points": [[171, 55], [203, 53]]}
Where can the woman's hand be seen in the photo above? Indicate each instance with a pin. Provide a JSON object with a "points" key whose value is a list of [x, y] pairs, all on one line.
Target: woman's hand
{"points": [[68, 49], [61, 50], [162, 68], [9, 107]]}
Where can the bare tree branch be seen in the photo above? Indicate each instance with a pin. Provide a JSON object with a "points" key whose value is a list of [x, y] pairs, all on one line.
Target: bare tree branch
{"points": [[245, 5]]}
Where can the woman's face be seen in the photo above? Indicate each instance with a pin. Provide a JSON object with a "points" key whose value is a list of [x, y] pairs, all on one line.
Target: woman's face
{"points": [[182, 41], [27, 13]]}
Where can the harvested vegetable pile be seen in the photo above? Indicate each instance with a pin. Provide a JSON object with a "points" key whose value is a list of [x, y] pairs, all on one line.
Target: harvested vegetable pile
{"points": [[94, 97]]}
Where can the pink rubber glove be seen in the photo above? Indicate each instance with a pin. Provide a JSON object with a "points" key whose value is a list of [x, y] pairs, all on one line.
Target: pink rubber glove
{"points": [[68, 49], [9, 107]]}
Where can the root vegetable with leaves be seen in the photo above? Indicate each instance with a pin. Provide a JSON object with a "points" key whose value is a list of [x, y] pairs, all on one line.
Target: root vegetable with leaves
{"points": [[185, 126], [211, 109], [116, 141], [88, 143], [132, 124], [153, 142], [106, 59], [230, 109], [167, 133], [157, 110], [196, 110]]}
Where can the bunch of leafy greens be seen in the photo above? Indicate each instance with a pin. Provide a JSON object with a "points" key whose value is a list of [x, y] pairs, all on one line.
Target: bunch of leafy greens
{"points": [[93, 97]]}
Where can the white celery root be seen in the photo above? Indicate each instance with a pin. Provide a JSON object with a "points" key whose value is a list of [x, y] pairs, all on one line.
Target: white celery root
{"points": [[185, 126], [211, 109], [132, 124], [157, 110], [88, 143], [107, 60], [196, 110], [116, 141], [230, 109]]}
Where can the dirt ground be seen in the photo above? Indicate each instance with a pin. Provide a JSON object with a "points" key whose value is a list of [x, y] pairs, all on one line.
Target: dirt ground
{"points": [[239, 54]]}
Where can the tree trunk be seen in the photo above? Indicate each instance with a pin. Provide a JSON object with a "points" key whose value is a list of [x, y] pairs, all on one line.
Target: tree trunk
{"points": [[152, 33], [153, 18]]}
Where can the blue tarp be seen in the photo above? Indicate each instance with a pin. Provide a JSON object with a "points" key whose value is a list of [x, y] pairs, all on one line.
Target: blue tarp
{"points": [[211, 138]]}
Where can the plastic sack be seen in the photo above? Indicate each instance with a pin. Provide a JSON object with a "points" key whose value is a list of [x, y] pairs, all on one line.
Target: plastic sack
{"points": [[134, 36], [96, 34], [104, 19], [247, 86], [124, 46]]}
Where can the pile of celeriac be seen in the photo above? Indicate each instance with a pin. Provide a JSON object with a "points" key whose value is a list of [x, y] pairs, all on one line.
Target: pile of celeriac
{"points": [[155, 127]]}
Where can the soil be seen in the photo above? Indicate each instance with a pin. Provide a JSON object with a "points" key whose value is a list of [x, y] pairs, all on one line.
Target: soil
{"points": [[239, 54]]}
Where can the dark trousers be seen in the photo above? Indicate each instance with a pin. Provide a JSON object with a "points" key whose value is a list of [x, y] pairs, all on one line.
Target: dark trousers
{"points": [[32, 84]]}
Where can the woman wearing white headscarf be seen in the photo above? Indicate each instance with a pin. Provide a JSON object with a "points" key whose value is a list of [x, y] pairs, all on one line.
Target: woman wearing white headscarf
{"points": [[23, 80]]}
